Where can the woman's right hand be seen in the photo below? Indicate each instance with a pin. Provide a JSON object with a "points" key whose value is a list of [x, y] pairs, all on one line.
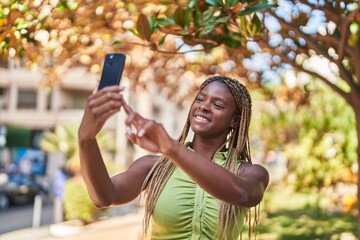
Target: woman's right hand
{"points": [[100, 106]]}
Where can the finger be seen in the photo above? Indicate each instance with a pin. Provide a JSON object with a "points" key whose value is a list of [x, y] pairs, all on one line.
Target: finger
{"points": [[102, 99], [133, 118], [131, 137], [127, 108], [106, 107], [103, 117], [96, 88], [103, 94], [141, 131]]}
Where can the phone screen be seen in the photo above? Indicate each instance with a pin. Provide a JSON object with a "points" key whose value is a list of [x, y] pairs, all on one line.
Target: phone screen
{"points": [[112, 70]]}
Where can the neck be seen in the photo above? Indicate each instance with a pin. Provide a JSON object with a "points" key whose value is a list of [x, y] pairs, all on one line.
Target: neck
{"points": [[207, 147]]}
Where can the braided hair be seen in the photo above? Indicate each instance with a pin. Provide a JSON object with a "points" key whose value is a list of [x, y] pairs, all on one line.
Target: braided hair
{"points": [[238, 149]]}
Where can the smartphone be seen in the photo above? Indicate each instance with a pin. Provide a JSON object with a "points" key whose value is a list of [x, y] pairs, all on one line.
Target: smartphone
{"points": [[112, 70]]}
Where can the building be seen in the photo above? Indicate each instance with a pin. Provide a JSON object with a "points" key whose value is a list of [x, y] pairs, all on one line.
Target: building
{"points": [[26, 103]]}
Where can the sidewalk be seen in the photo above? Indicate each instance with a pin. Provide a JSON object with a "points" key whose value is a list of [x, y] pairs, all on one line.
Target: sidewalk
{"points": [[125, 227]]}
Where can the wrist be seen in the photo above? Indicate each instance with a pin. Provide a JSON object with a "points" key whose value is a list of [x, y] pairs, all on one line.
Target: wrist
{"points": [[170, 148], [83, 137]]}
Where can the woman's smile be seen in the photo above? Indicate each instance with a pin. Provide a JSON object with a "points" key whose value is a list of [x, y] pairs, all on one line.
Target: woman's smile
{"points": [[201, 119]]}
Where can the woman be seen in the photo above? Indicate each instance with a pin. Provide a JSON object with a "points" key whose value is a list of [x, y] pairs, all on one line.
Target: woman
{"points": [[195, 190]]}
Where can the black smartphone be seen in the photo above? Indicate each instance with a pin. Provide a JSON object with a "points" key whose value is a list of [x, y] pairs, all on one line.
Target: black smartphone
{"points": [[112, 69]]}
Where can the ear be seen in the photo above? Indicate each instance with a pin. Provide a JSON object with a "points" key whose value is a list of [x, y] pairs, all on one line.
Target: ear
{"points": [[235, 121]]}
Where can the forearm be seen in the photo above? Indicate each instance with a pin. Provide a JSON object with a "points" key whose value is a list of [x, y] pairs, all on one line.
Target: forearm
{"points": [[95, 174], [213, 178]]}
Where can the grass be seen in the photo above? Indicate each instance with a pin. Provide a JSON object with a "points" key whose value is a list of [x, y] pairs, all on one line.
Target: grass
{"points": [[299, 216]]}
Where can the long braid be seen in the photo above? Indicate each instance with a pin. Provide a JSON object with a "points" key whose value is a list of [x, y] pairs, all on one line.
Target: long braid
{"points": [[157, 178], [238, 150]]}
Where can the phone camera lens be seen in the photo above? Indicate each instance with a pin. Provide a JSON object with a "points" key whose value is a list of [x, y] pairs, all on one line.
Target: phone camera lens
{"points": [[111, 56]]}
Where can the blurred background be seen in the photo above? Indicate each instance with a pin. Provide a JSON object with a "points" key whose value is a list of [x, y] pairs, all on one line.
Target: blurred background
{"points": [[299, 60]]}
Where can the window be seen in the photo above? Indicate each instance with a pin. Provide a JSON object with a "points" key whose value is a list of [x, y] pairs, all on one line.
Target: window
{"points": [[74, 99], [3, 98], [26, 99]]}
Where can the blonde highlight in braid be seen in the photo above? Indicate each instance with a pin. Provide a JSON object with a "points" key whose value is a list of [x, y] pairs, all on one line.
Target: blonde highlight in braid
{"points": [[238, 145]]}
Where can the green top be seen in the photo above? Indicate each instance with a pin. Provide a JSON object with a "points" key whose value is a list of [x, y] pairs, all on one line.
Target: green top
{"points": [[185, 211]]}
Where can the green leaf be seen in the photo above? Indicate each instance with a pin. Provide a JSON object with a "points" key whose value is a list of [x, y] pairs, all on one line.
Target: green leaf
{"points": [[256, 23], [197, 19], [207, 15], [207, 29], [134, 32], [192, 3], [232, 43], [179, 16], [162, 40], [187, 17], [231, 3], [117, 43], [257, 7], [222, 19], [216, 3]]}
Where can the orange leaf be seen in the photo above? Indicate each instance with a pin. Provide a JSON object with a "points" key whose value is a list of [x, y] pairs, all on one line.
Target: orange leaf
{"points": [[143, 27]]}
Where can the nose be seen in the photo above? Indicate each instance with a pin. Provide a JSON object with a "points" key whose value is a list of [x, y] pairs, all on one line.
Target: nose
{"points": [[204, 107]]}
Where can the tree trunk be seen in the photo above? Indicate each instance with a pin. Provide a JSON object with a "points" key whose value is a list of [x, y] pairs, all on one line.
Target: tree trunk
{"points": [[356, 107]]}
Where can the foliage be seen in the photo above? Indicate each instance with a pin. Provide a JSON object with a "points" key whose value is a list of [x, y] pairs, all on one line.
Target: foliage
{"points": [[18, 136], [320, 149], [206, 22], [64, 139], [77, 203], [53, 36], [297, 216]]}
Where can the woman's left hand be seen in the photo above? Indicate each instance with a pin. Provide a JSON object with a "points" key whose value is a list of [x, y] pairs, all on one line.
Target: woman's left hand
{"points": [[146, 133]]}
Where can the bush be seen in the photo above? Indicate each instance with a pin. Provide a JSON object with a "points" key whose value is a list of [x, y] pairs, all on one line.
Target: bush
{"points": [[77, 203]]}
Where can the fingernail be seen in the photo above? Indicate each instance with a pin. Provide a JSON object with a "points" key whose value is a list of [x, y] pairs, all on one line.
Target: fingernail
{"points": [[129, 130], [140, 133]]}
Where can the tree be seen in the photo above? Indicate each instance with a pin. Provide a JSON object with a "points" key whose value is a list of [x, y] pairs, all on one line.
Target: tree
{"points": [[55, 35], [335, 40], [320, 149]]}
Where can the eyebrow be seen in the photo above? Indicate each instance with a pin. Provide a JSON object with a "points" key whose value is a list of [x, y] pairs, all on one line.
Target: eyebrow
{"points": [[216, 98]]}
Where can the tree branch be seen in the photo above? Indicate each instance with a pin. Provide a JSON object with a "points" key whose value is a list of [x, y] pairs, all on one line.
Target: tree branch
{"points": [[312, 45], [334, 43], [331, 16], [345, 31], [309, 40], [298, 67]]}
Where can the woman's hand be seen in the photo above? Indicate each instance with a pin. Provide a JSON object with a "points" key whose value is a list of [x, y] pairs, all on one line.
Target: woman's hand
{"points": [[148, 134], [100, 106]]}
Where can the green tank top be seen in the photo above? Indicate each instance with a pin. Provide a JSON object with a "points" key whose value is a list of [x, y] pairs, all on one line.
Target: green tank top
{"points": [[185, 211]]}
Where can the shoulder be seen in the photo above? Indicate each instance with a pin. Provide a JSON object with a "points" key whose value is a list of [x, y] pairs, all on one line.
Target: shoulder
{"points": [[255, 171]]}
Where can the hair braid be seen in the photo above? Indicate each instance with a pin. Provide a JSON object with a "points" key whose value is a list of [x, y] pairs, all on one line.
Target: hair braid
{"points": [[238, 150]]}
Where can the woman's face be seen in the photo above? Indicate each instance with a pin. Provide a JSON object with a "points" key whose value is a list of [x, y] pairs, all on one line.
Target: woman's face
{"points": [[213, 111]]}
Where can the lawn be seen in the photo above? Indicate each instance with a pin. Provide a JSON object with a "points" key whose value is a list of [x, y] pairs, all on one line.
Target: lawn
{"points": [[298, 216]]}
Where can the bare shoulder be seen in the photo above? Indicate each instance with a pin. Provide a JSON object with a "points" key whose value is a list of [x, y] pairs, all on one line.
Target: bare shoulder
{"points": [[256, 171]]}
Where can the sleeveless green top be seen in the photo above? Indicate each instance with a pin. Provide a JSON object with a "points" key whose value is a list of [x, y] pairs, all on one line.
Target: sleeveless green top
{"points": [[185, 211]]}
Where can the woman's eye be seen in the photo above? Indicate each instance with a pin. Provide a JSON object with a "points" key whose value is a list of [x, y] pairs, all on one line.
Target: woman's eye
{"points": [[218, 106], [199, 100]]}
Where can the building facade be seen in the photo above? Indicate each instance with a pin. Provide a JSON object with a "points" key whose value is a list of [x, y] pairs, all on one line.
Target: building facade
{"points": [[26, 102]]}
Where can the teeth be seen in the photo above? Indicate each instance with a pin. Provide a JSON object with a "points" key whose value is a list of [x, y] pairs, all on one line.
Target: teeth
{"points": [[201, 118]]}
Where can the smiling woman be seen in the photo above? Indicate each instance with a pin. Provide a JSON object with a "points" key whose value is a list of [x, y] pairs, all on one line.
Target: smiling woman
{"points": [[201, 189]]}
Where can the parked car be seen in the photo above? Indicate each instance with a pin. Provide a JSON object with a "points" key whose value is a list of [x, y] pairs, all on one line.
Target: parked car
{"points": [[17, 188]]}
